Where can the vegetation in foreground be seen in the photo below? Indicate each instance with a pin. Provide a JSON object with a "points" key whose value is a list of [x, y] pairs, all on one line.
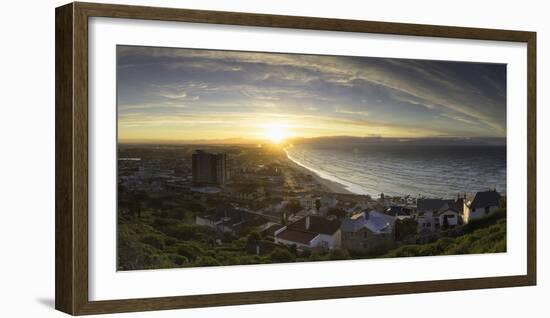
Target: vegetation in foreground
{"points": [[481, 236], [161, 237]]}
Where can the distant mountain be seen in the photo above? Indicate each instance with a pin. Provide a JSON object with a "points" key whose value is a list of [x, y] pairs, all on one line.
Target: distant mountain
{"points": [[336, 140], [432, 141]]}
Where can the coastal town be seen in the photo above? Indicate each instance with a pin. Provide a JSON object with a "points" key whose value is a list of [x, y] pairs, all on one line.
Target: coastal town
{"points": [[206, 205]]}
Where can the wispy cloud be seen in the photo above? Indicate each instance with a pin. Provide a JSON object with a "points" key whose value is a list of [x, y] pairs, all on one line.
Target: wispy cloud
{"points": [[397, 96]]}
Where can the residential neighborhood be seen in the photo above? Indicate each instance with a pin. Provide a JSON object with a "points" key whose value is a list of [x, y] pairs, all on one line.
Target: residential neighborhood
{"points": [[251, 205]]}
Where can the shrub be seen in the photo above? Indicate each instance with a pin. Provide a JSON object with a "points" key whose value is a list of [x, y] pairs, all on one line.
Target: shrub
{"points": [[189, 250], [194, 206], [253, 238], [338, 254], [207, 261], [316, 256], [484, 240], [154, 240], [280, 255], [179, 260], [170, 241]]}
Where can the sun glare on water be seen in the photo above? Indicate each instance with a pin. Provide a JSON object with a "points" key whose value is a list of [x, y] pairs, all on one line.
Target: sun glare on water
{"points": [[276, 132]]}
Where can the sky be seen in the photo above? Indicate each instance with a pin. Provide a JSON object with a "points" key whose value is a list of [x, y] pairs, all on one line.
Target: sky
{"points": [[174, 94]]}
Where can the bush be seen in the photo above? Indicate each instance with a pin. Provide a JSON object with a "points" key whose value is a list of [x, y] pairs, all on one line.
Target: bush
{"points": [[179, 260], [316, 256], [194, 206], [253, 238], [170, 241], [154, 240], [280, 255], [484, 240], [338, 254], [189, 250], [207, 261], [405, 229], [338, 213], [484, 222]]}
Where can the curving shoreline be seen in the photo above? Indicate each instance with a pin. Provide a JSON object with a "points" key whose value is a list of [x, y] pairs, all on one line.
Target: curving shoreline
{"points": [[330, 185]]}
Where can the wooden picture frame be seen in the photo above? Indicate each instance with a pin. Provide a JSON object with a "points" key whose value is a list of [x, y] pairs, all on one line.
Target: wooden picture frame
{"points": [[71, 290]]}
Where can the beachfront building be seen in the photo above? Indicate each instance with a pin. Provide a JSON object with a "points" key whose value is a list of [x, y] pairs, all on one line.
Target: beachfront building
{"points": [[483, 204], [366, 231], [432, 214], [310, 232], [208, 168]]}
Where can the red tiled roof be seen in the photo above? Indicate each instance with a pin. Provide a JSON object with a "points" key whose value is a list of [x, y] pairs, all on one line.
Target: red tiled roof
{"points": [[296, 236]]}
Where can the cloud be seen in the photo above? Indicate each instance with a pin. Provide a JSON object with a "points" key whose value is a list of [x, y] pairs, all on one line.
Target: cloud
{"points": [[400, 93], [351, 112]]}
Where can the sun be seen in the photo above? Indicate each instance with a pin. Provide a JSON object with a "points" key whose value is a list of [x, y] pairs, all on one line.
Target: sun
{"points": [[276, 132]]}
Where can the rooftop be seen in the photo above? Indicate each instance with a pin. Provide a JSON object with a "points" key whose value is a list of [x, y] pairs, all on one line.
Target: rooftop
{"points": [[485, 198], [297, 236], [354, 223], [271, 229], [317, 224], [379, 223], [376, 222]]}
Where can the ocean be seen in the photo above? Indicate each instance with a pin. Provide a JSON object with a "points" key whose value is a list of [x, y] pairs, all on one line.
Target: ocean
{"points": [[435, 171]]}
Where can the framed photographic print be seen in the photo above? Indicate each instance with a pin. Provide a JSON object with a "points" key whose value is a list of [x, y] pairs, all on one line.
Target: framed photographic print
{"points": [[218, 158]]}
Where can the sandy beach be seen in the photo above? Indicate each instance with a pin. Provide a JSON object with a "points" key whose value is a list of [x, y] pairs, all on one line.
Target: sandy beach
{"points": [[328, 185]]}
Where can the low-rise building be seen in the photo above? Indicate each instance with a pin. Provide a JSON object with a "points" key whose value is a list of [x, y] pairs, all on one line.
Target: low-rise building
{"points": [[483, 204], [400, 212], [310, 232], [433, 214], [230, 220], [366, 231]]}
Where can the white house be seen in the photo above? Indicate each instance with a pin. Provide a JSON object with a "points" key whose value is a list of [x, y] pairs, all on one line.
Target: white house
{"points": [[448, 215], [311, 232], [483, 204], [432, 214]]}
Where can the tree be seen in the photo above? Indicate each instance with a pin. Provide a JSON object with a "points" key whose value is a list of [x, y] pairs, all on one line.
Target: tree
{"points": [[405, 228], [280, 255], [293, 207], [208, 261], [253, 239], [338, 254], [293, 249], [338, 213], [136, 202]]}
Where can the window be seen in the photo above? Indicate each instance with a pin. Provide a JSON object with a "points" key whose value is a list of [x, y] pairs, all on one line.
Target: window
{"points": [[487, 210]]}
